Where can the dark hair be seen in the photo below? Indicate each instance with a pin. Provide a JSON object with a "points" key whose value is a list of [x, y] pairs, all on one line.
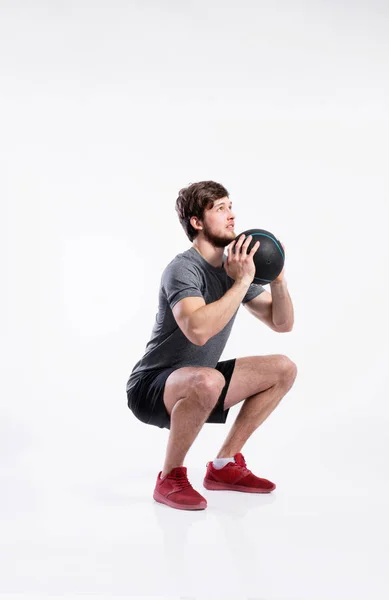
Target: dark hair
{"points": [[194, 199]]}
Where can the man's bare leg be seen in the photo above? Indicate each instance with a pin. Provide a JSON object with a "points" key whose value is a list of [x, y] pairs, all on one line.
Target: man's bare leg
{"points": [[186, 420], [254, 411]]}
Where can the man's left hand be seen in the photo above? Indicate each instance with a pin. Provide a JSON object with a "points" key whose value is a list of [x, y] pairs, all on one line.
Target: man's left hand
{"points": [[281, 276]]}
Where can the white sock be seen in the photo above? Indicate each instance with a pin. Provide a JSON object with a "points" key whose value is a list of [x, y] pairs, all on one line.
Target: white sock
{"points": [[219, 463]]}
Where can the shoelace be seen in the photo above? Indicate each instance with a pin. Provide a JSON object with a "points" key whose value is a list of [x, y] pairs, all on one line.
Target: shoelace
{"points": [[245, 470], [243, 467], [182, 481]]}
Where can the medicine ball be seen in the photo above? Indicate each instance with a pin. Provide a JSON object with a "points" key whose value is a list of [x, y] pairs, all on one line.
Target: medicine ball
{"points": [[268, 259]]}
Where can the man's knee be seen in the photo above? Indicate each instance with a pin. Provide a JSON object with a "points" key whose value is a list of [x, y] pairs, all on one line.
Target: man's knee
{"points": [[209, 384], [287, 369]]}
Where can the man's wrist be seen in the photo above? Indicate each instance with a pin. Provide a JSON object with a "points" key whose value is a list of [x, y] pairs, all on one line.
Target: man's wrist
{"points": [[278, 282]]}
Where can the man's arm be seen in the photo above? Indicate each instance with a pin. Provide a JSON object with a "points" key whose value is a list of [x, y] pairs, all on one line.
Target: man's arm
{"points": [[275, 309], [208, 320]]}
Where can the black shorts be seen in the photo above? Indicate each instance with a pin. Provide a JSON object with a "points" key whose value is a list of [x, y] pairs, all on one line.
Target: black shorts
{"points": [[145, 398]]}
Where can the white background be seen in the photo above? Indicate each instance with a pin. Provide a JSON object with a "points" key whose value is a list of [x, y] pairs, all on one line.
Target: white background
{"points": [[107, 110]]}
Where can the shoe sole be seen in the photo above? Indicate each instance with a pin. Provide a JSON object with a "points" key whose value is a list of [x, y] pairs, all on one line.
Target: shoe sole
{"points": [[163, 500], [215, 485]]}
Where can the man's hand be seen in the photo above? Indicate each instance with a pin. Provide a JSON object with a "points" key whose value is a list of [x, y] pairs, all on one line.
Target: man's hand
{"points": [[281, 276], [240, 265]]}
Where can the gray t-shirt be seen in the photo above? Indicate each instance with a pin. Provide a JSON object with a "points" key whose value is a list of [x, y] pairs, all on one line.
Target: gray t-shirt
{"points": [[188, 274]]}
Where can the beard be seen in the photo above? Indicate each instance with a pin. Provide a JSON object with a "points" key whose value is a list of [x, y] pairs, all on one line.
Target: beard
{"points": [[216, 240]]}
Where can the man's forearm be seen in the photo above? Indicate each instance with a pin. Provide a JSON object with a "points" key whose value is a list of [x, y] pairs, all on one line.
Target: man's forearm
{"points": [[282, 307], [208, 320]]}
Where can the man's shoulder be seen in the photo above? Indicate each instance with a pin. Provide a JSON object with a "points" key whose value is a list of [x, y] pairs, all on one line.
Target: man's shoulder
{"points": [[184, 258]]}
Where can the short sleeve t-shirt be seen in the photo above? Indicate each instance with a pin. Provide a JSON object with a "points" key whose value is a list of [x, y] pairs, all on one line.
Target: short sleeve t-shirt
{"points": [[188, 274]]}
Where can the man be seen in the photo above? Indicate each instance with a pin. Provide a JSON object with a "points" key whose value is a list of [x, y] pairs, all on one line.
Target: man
{"points": [[179, 383]]}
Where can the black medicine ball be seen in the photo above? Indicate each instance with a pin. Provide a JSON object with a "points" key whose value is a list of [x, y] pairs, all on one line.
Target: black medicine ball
{"points": [[269, 258]]}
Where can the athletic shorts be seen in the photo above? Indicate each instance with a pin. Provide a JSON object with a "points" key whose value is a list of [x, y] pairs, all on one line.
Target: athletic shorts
{"points": [[145, 397]]}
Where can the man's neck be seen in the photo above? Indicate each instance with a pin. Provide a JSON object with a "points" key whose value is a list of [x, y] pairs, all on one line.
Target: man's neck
{"points": [[214, 257]]}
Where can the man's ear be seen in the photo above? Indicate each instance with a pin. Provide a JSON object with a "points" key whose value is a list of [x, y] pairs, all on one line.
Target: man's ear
{"points": [[196, 222]]}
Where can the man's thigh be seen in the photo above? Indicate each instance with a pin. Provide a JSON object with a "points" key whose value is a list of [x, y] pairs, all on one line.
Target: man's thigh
{"points": [[254, 374]]}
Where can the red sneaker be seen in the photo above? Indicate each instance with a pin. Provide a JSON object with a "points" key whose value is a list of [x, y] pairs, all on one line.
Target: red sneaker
{"points": [[176, 491], [236, 476]]}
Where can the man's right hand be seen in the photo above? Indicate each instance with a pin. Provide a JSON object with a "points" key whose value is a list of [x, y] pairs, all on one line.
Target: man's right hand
{"points": [[239, 264]]}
